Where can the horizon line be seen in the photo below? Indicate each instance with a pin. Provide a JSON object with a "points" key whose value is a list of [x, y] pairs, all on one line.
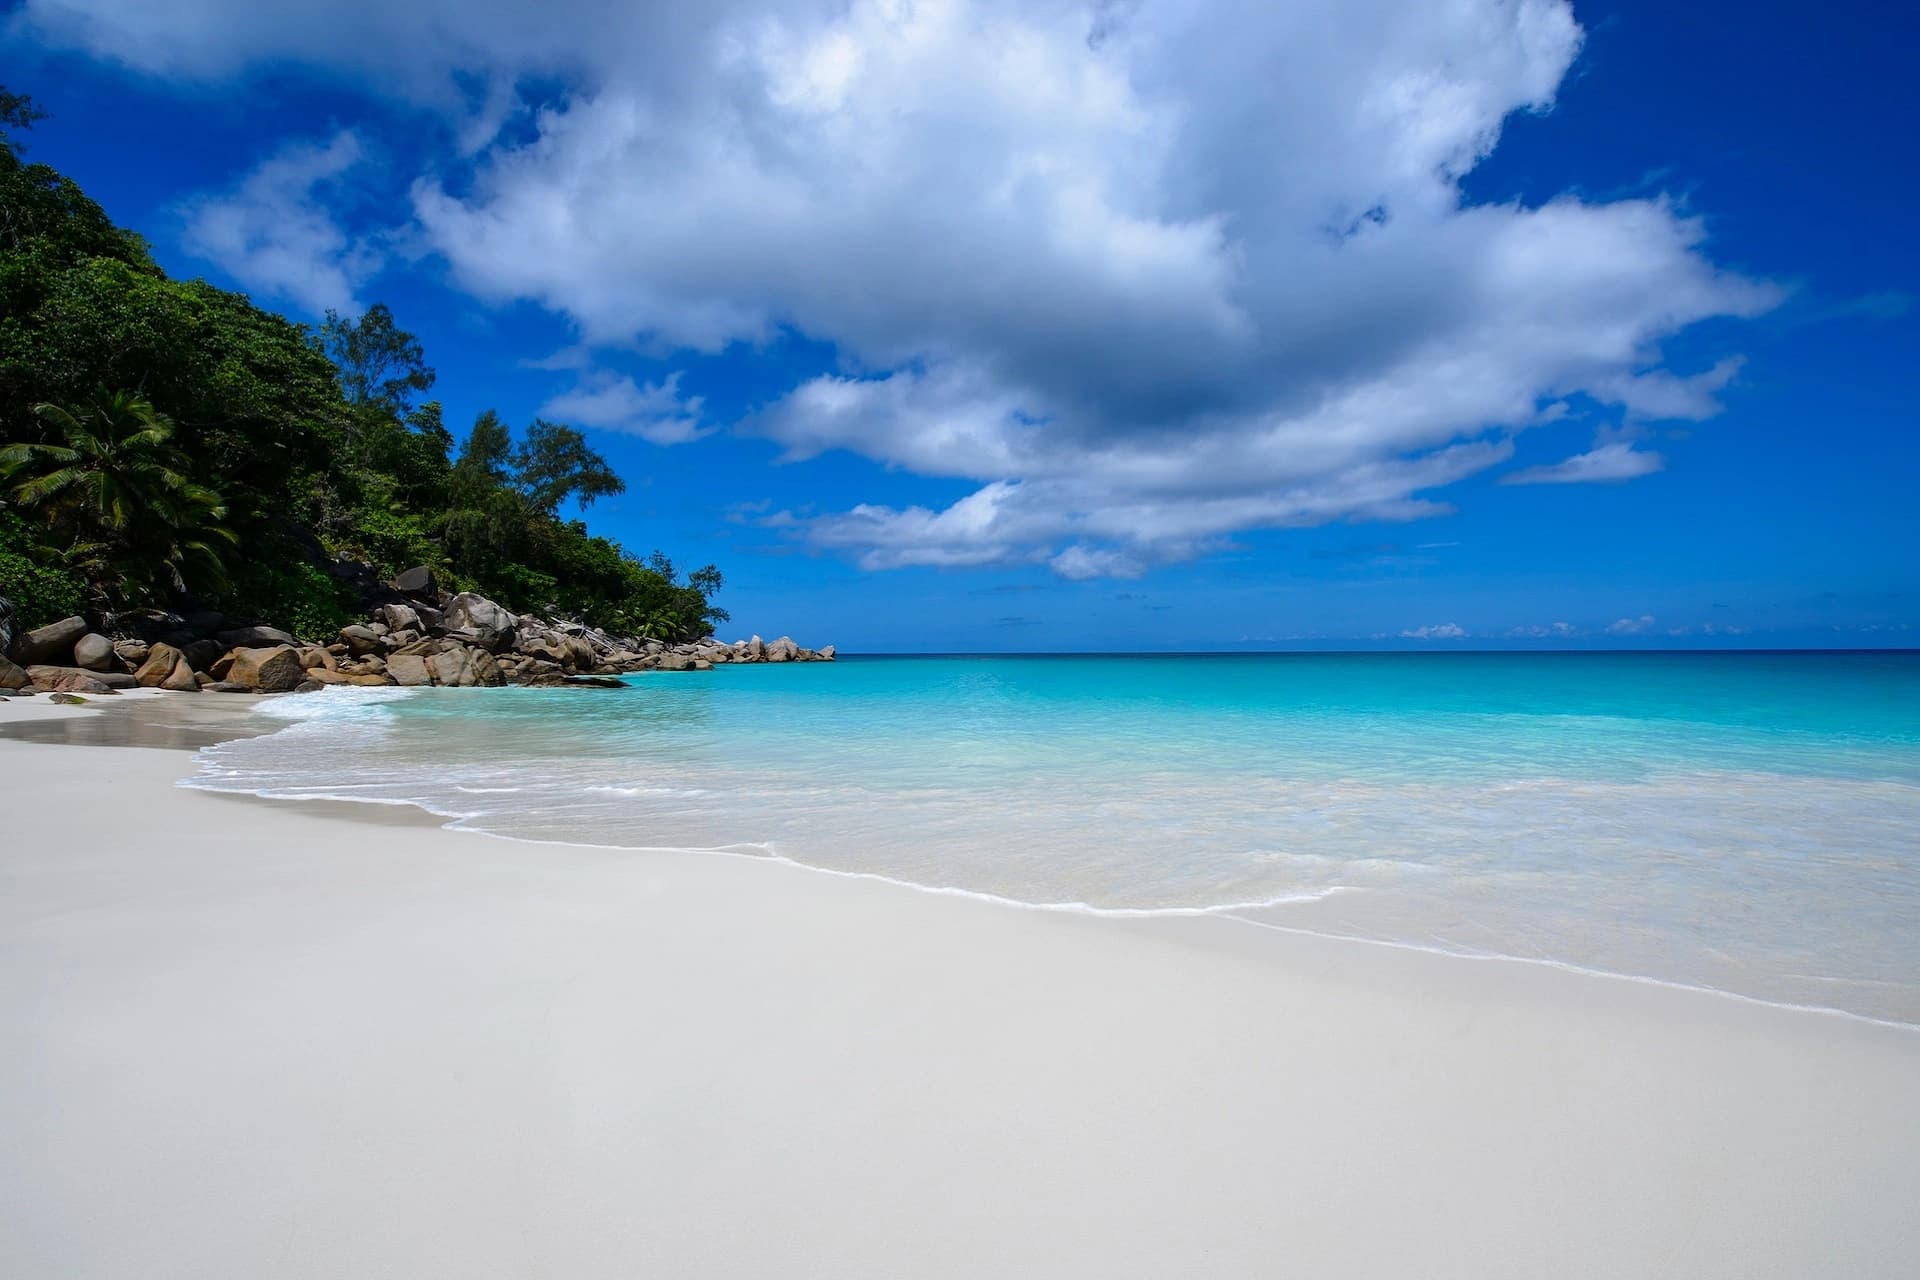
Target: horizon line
{"points": [[1324, 653]]}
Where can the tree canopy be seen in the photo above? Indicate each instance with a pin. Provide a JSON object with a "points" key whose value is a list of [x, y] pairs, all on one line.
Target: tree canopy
{"points": [[211, 423]]}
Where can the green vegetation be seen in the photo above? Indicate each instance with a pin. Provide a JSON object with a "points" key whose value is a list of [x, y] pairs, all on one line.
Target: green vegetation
{"points": [[41, 588], [150, 427]]}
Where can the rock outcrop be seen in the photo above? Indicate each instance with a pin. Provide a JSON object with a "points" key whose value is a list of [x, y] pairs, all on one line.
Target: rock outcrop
{"points": [[418, 583], [274, 670], [414, 635], [49, 644], [49, 679], [255, 638], [474, 617], [163, 660], [93, 651], [400, 617], [408, 669], [465, 668]]}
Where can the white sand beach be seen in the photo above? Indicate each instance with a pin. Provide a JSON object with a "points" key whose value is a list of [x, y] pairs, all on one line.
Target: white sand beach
{"points": [[246, 1040]]}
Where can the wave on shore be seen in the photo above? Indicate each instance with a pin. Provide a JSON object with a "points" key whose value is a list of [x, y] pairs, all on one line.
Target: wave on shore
{"points": [[1769, 864]]}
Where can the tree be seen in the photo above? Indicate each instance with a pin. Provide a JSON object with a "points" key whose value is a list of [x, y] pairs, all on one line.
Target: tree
{"points": [[381, 365], [554, 463], [482, 465], [322, 445], [17, 111], [119, 491], [484, 520]]}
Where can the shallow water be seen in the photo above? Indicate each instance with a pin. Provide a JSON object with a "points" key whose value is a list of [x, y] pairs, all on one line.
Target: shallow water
{"points": [[1749, 822]]}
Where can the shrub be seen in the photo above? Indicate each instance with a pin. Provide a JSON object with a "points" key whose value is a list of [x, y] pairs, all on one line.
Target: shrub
{"points": [[297, 597], [42, 590]]}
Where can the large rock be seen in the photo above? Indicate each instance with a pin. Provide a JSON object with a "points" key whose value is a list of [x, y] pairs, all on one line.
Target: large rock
{"points": [[13, 676], [428, 647], [93, 651], [359, 639], [255, 638], [48, 679], [202, 654], [783, 650], [825, 653], [368, 680], [408, 669], [674, 662], [47, 644], [489, 625], [131, 652], [162, 659], [419, 583], [312, 656], [274, 670], [465, 668], [182, 679], [400, 617], [8, 625], [554, 651], [326, 675]]}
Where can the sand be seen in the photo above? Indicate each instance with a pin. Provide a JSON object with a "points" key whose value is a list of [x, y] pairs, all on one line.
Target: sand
{"points": [[245, 1039]]}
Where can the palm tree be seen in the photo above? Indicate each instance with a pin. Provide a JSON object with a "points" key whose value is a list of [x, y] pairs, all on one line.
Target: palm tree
{"points": [[118, 489]]}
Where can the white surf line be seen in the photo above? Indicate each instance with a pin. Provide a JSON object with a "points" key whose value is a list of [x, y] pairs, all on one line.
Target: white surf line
{"points": [[1566, 966], [1224, 911]]}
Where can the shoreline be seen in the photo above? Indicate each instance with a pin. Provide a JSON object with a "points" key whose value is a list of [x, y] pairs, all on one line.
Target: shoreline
{"points": [[273, 1038], [235, 721]]}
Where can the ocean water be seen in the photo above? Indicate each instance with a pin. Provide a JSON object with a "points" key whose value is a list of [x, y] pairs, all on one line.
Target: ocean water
{"points": [[1744, 822]]}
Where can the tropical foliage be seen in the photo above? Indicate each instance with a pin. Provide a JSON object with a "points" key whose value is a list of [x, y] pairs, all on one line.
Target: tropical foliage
{"points": [[115, 498], [149, 427]]}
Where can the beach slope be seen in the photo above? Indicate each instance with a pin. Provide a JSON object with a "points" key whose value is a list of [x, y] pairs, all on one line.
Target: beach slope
{"points": [[247, 1039]]}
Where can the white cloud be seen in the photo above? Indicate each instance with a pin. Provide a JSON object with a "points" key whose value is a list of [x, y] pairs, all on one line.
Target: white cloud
{"points": [[1631, 626], [656, 412], [274, 234], [1606, 463], [1551, 631], [1146, 275], [1439, 631]]}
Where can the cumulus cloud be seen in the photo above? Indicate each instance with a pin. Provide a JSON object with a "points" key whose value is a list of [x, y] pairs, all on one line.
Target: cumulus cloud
{"points": [[1438, 631], [1631, 626], [1145, 275], [273, 233], [1604, 464], [1549, 631], [656, 412]]}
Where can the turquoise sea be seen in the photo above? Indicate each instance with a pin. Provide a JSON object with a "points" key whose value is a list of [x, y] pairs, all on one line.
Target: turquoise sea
{"points": [[1745, 822]]}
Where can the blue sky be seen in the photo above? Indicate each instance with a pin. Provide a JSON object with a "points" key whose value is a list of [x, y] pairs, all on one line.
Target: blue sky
{"points": [[963, 324]]}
